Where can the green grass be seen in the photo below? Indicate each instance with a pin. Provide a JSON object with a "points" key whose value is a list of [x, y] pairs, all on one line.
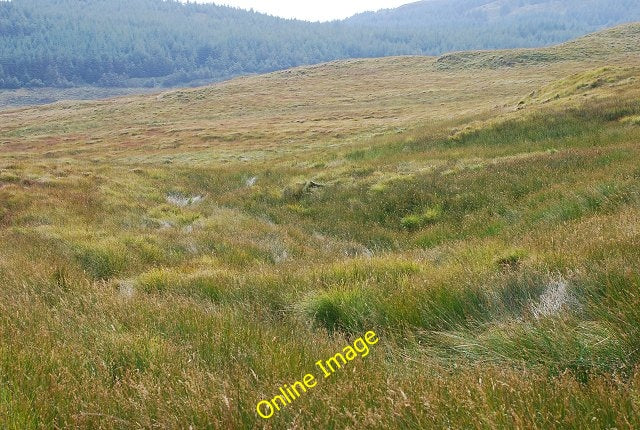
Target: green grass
{"points": [[491, 244]]}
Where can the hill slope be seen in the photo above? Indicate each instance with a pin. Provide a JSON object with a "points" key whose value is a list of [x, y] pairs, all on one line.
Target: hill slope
{"points": [[147, 43], [335, 101], [170, 261], [620, 41]]}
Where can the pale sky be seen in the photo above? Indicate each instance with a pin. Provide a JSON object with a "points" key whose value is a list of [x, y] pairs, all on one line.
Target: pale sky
{"points": [[324, 10]]}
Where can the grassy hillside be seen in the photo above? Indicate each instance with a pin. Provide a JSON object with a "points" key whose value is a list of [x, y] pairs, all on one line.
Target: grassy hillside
{"points": [[619, 41], [122, 46], [171, 260]]}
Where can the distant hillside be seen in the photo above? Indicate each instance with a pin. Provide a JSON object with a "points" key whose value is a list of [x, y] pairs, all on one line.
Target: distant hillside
{"points": [[437, 26], [150, 43], [618, 41]]}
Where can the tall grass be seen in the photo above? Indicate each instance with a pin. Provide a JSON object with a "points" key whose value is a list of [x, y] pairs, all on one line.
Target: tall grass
{"points": [[493, 253]]}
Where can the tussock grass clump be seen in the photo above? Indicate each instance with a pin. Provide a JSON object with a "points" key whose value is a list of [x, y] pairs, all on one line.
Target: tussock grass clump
{"points": [[435, 235], [168, 214], [415, 222], [160, 280], [633, 120], [397, 304], [382, 270], [102, 260], [517, 293], [8, 177], [241, 255], [150, 250], [341, 310], [212, 285], [558, 345], [445, 307]]}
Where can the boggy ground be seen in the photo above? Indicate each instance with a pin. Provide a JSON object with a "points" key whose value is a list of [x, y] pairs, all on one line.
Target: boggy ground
{"points": [[171, 260]]}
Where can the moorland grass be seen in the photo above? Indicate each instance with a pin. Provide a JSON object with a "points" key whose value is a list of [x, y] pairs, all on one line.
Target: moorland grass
{"points": [[492, 246]]}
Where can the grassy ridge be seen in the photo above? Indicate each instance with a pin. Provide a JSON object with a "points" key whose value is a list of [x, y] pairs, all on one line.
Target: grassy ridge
{"points": [[151, 279]]}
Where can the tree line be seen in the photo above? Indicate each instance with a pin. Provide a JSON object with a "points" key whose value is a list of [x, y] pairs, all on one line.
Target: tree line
{"points": [[133, 43]]}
